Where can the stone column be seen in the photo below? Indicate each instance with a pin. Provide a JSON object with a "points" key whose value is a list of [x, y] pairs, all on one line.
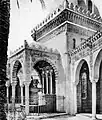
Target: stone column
{"points": [[51, 81], [7, 91], [43, 81], [21, 93], [27, 97], [46, 82], [93, 99], [14, 83]]}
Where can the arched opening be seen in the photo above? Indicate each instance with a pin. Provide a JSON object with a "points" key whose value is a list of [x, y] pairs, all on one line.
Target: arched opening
{"points": [[90, 6], [99, 91], [18, 75], [46, 73], [84, 90], [98, 76], [43, 75]]}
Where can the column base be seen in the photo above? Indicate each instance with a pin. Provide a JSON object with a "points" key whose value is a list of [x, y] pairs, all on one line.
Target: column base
{"points": [[94, 118]]}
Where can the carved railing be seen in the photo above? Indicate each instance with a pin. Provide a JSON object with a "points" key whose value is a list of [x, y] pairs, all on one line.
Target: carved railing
{"points": [[87, 43]]}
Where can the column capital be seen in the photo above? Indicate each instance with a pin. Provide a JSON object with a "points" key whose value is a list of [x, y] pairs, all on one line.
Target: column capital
{"points": [[42, 73], [21, 84], [7, 83], [26, 83], [14, 83], [51, 71], [46, 72], [14, 79], [94, 81]]}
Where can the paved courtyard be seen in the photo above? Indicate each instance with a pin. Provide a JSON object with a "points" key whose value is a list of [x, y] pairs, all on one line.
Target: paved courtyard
{"points": [[81, 116], [77, 117]]}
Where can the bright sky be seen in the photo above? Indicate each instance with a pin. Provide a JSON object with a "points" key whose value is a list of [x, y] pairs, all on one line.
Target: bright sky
{"points": [[23, 20]]}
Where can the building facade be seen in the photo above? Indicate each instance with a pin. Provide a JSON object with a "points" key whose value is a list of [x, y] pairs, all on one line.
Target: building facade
{"points": [[63, 65]]}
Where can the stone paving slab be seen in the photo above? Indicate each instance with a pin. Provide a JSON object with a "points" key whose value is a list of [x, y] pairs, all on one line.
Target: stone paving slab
{"points": [[63, 116], [67, 117]]}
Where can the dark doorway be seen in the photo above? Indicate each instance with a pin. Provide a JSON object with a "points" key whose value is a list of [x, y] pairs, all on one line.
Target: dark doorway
{"points": [[84, 91]]}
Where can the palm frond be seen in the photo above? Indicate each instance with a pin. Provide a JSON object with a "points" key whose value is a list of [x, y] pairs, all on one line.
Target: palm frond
{"points": [[41, 1], [18, 4]]}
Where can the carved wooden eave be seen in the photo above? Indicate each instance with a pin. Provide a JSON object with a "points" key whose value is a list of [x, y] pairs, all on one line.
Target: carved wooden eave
{"points": [[84, 49], [36, 50], [70, 13], [42, 51]]}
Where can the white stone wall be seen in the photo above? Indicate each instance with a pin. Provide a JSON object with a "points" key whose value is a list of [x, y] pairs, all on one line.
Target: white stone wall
{"points": [[63, 88], [59, 42]]}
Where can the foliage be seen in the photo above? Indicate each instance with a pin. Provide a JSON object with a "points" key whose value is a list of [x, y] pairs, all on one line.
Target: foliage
{"points": [[4, 31]]}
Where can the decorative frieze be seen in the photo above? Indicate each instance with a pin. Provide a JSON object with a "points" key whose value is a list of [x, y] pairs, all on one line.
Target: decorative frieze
{"points": [[72, 14], [39, 54]]}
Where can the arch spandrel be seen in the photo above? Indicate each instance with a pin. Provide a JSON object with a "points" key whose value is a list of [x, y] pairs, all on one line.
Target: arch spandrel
{"points": [[54, 66]]}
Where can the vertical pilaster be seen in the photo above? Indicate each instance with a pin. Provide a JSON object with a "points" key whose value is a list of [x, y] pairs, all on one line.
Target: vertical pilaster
{"points": [[75, 98], [27, 74], [57, 100], [68, 85]]}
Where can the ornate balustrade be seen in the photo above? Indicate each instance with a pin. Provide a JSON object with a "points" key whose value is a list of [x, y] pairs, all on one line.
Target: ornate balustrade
{"points": [[87, 43]]}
